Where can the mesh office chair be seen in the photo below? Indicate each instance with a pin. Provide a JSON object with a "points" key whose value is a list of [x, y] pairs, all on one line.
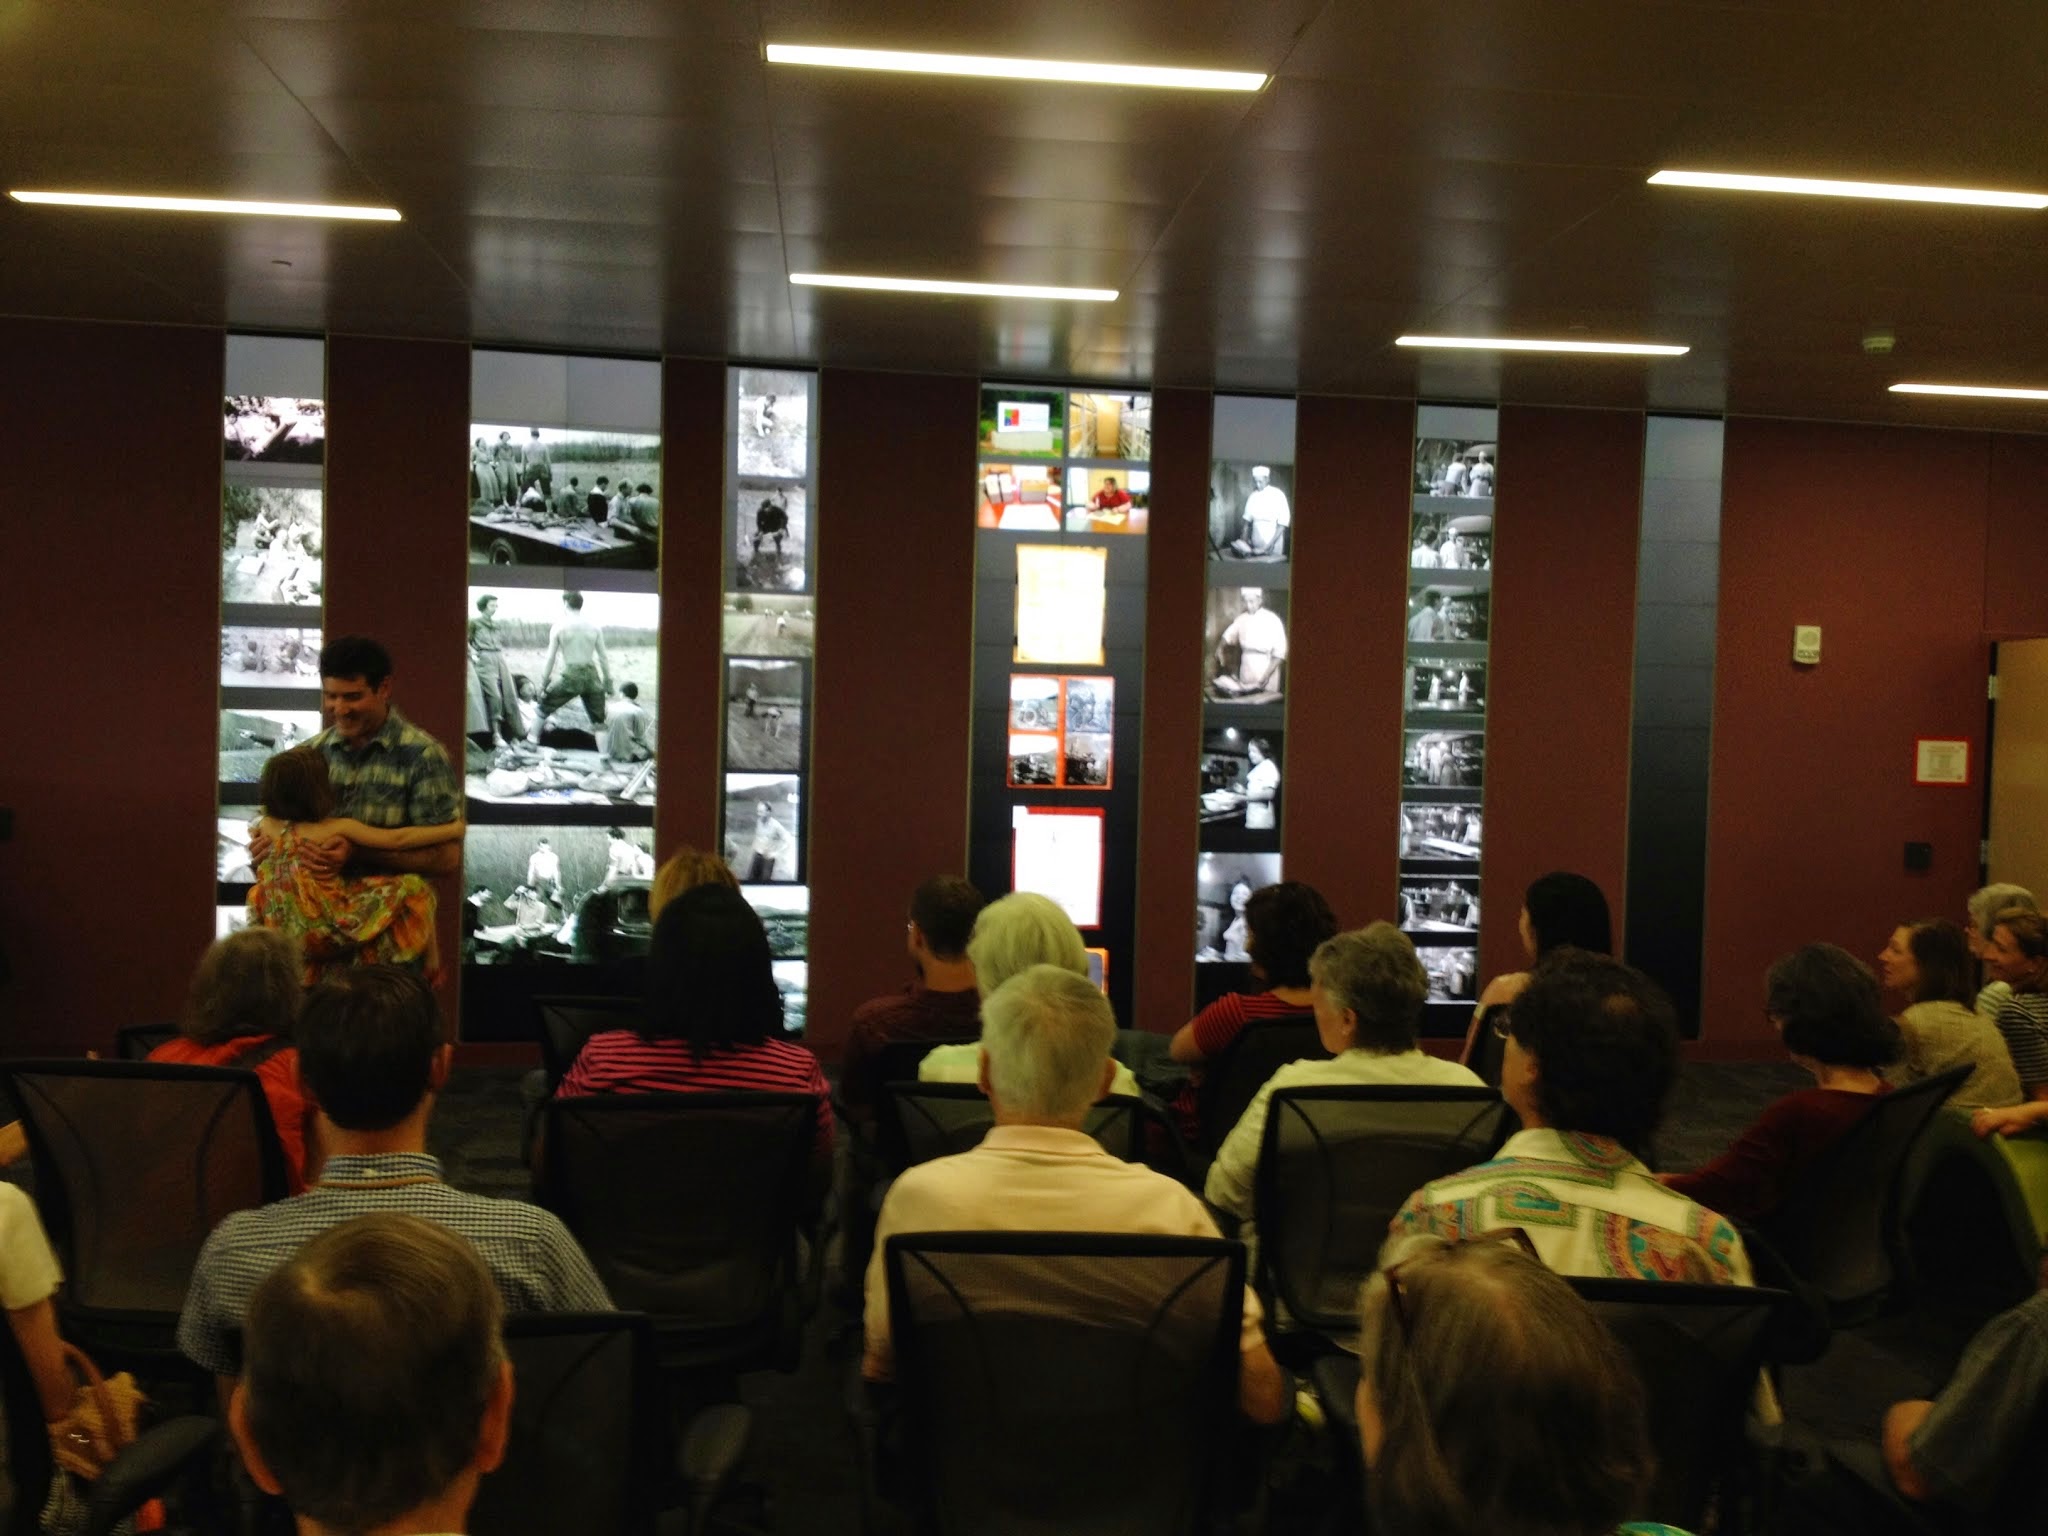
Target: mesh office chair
{"points": [[1233, 1079], [564, 1023], [1336, 1164], [921, 1121], [1066, 1382], [136, 1163]]}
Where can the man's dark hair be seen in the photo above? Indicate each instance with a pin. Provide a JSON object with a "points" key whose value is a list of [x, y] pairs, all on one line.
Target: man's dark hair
{"points": [[369, 1359], [1287, 922], [630, 690], [1826, 1003], [944, 909], [618, 832], [1941, 954], [1568, 909], [484, 602], [1606, 1046], [355, 656], [574, 600], [644, 488], [709, 976], [367, 1037]]}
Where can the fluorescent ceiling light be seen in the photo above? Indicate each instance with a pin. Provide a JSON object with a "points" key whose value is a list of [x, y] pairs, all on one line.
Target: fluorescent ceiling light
{"points": [[935, 285], [1727, 182], [209, 205], [1974, 391], [1031, 71], [1517, 344]]}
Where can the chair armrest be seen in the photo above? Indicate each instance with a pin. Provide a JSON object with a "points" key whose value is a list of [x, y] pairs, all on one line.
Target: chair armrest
{"points": [[158, 1458]]}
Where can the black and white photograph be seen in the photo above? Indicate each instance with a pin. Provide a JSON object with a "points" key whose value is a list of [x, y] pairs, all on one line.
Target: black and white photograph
{"points": [[1091, 704], [1085, 759], [1108, 500], [793, 982], [1443, 834], [1245, 645], [1034, 702], [1461, 542], [1439, 904], [772, 423], [1251, 511], [256, 656], [1224, 883], [1439, 685], [231, 846], [273, 429], [1109, 427], [556, 893], [763, 823], [271, 543], [769, 526], [1443, 759], [1034, 761], [1453, 973], [563, 496], [785, 911], [764, 715], [1028, 422], [249, 737], [1455, 467], [760, 624], [1241, 781], [1447, 615]]}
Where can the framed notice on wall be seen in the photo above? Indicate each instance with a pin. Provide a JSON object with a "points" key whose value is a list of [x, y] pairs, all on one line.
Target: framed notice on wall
{"points": [[1062, 593], [1939, 760], [1057, 852]]}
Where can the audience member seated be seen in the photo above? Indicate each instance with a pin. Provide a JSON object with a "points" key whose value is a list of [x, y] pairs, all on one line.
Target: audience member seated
{"points": [[686, 869], [943, 1004], [1592, 1053], [29, 1277], [713, 1021], [1367, 989], [1012, 934], [1983, 908], [1284, 924], [1559, 910], [1044, 1059], [242, 1010], [372, 1057], [1491, 1401], [1823, 1002], [377, 1392], [1929, 963], [2017, 954]]}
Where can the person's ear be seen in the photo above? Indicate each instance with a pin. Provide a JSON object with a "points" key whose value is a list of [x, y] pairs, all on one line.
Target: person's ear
{"points": [[981, 1076], [252, 1458], [443, 1064], [1350, 1027], [496, 1428], [1108, 1077]]}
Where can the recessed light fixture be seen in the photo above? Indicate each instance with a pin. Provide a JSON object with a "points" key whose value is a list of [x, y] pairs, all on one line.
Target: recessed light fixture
{"points": [[1029, 71], [1808, 186], [209, 205], [1971, 391], [1521, 344], [937, 285]]}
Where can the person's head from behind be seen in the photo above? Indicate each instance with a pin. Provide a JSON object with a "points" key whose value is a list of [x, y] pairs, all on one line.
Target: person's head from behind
{"points": [[1824, 1002], [371, 1046], [1929, 961], [2017, 951], [355, 686], [1045, 1039], [630, 691], [295, 786], [1984, 906], [709, 977], [942, 916], [1021, 930], [573, 601], [686, 869], [1561, 909], [1367, 988], [246, 984], [1592, 1049], [1286, 922], [1492, 1400], [375, 1388]]}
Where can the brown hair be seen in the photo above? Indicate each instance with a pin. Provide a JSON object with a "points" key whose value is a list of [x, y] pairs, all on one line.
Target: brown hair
{"points": [[1941, 954], [2029, 932], [295, 786], [686, 869], [246, 984]]}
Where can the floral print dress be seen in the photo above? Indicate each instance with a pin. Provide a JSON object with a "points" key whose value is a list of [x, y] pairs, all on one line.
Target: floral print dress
{"points": [[369, 920]]}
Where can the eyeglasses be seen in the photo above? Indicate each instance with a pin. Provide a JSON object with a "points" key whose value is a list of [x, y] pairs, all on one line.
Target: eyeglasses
{"points": [[1397, 1296]]}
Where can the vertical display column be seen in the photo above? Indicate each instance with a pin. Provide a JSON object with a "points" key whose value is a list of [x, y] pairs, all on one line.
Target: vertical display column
{"points": [[272, 535], [1443, 761], [770, 624], [1062, 503], [562, 631], [1245, 650]]}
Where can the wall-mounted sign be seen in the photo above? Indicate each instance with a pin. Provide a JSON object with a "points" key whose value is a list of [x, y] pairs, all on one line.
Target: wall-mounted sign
{"points": [[1941, 761]]}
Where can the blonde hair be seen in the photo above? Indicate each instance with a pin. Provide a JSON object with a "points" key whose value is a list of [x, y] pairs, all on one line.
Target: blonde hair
{"points": [[686, 869], [1021, 930]]}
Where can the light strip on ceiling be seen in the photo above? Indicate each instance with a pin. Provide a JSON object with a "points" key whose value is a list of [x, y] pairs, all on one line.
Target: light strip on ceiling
{"points": [[1519, 344], [1725, 181], [1971, 391], [209, 205], [937, 285], [1029, 71]]}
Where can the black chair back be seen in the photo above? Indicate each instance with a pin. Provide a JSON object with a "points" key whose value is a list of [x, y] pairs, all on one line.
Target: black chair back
{"points": [[136, 1163], [1066, 1382], [587, 1444], [134, 1042], [1837, 1224], [1489, 1050], [29, 1462], [689, 1205], [566, 1022], [1233, 1079], [1335, 1166], [1700, 1351], [896, 1061], [921, 1121]]}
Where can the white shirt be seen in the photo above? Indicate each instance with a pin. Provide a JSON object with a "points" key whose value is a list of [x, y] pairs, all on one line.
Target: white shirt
{"points": [[1265, 514], [1260, 638], [28, 1269], [1428, 624], [544, 867], [1422, 557], [771, 839], [622, 862], [1264, 779]]}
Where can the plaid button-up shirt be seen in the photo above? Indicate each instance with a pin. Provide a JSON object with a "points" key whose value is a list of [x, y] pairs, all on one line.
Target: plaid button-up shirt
{"points": [[401, 777]]}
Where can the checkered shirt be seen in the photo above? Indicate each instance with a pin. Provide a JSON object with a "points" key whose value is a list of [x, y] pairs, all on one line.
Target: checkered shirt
{"points": [[401, 778], [529, 1252]]}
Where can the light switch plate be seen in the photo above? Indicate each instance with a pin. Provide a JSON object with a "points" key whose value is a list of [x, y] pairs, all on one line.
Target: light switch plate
{"points": [[1806, 644]]}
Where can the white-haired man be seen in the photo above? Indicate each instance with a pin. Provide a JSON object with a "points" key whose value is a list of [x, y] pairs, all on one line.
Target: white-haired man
{"points": [[1045, 1039]]}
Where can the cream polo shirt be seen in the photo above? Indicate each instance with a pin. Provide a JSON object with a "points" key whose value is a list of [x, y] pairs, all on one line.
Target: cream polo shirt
{"points": [[1032, 1178], [962, 1064], [28, 1270]]}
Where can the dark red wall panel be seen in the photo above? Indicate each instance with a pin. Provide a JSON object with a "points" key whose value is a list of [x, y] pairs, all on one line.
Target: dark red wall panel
{"points": [[2016, 538], [693, 449], [110, 612], [891, 692]]}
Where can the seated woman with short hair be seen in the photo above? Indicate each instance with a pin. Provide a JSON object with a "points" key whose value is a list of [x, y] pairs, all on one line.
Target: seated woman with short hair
{"points": [[1560, 910], [1929, 963]]}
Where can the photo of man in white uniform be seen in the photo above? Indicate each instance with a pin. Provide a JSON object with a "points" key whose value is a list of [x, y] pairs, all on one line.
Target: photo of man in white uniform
{"points": [[1260, 639]]}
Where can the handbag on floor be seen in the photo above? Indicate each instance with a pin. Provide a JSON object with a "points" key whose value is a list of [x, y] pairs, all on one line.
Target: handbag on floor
{"points": [[103, 1420]]}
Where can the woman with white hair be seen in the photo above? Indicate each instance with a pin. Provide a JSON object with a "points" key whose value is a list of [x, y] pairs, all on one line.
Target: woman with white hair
{"points": [[1983, 908]]}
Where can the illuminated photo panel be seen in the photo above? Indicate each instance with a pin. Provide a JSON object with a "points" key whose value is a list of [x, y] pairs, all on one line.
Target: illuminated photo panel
{"points": [[1062, 597]]}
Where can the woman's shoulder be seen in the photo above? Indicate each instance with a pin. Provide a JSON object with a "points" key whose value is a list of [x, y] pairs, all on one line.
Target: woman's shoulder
{"points": [[1503, 990]]}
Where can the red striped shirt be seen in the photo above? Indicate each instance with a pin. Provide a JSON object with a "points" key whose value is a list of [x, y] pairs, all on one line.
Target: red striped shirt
{"points": [[1216, 1026], [620, 1061]]}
